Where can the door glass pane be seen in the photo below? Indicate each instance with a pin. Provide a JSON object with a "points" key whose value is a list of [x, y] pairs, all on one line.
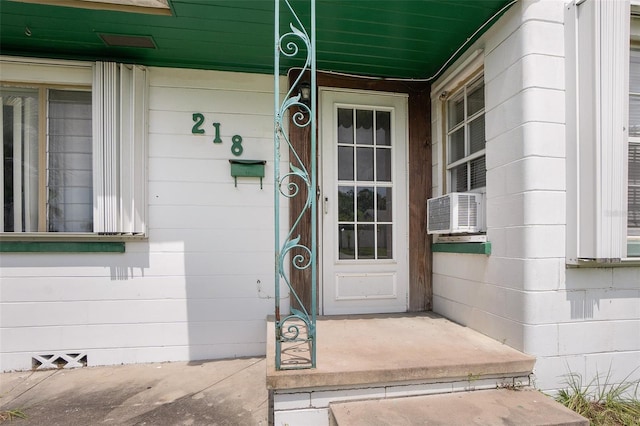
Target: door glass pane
{"points": [[476, 135], [345, 203], [383, 165], [345, 125], [366, 241], [70, 195], [346, 242], [364, 127], [383, 128], [365, 204], [365, 164], [363, 209], [385, 242], [384, 205], [345, 163], [456, 145]]}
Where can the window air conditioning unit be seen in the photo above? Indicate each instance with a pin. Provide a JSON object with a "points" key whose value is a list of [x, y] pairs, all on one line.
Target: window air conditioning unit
{"points": [[455, 213]]}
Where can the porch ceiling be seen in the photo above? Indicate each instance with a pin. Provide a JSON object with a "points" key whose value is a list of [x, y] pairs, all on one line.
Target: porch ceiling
{"points": [[399, 38]]}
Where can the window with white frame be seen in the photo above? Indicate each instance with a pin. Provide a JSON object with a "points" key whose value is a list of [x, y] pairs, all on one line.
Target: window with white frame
{"points": [[465, 147], [47, 181], [73, 155]]}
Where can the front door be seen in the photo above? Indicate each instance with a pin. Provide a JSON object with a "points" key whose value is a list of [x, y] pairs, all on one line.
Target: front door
{"points": [[364, 215]]}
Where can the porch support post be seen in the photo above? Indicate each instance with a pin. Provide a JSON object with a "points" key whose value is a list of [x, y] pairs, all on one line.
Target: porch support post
{"points": [[420, 257], [295, 332]]}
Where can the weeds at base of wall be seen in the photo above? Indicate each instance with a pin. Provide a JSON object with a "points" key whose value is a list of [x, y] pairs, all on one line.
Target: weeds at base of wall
{"points": [[602, 402], [9, 415]]}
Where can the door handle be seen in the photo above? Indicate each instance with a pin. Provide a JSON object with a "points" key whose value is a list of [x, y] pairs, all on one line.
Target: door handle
{"points": [[326, 205]]}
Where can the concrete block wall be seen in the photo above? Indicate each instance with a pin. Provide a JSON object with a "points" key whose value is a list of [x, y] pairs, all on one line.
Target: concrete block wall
{"points": [[580, 320], [201, 286]]}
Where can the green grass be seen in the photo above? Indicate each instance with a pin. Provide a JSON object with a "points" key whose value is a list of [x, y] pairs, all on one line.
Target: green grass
{"points": [[11, 414], [603, 403]]}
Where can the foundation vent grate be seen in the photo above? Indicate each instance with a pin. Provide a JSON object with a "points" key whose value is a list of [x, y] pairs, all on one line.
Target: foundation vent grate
{"points": [[59, 360]]}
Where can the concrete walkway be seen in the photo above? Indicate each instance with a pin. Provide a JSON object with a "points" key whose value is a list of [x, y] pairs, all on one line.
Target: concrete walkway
{"points": [[224, 392]]}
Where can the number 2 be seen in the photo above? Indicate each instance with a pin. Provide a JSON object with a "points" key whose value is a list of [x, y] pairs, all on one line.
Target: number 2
{"points": [[198, 120]]}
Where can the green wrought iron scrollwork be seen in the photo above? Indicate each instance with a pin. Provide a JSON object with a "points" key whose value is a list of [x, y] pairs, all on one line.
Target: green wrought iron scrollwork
{"points": [[295, 332]]}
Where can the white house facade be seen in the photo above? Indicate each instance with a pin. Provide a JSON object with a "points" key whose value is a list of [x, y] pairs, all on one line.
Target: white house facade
{"points": [[528, 293], [128, 235], [197, 282]]}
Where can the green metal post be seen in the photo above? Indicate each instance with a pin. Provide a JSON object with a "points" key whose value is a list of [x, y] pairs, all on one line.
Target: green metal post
{"points": [[276, 173], [295, 332], [314, 184]]}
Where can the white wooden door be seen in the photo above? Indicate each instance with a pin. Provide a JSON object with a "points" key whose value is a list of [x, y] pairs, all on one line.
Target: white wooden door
{"points": [[364, 217]]}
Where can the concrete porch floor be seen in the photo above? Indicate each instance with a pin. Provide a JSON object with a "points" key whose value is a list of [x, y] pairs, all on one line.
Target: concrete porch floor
{"points": [[368, 349]]}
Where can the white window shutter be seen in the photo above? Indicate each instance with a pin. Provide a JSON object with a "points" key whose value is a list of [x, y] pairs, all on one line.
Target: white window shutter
{"points": [[597, 62], [133, 143], [120, 140]]}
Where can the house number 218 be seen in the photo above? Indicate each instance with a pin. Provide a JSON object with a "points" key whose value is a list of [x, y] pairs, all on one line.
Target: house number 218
{"points": [[236, 140]]}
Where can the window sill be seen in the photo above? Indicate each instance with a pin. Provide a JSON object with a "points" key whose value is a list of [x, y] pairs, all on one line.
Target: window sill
{"points": [[48, 242], [62, 247], [466, 248], [68, 237]]}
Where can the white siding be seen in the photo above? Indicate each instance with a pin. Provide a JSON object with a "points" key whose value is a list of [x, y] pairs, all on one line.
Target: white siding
{"points": [[583, 320], [202, 285]]}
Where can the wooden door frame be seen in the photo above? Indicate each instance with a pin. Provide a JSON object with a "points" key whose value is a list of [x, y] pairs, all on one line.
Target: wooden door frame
{"points": [[419, 174]]}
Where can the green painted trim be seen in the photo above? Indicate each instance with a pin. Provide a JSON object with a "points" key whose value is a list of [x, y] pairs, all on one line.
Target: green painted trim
{"points": [[468, 248], [633, 249], [62, 247], [392, 39]]}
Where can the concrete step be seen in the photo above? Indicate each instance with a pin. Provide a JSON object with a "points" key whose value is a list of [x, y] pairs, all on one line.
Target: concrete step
{"points": [[363, 357], [487, 407], [376, 350]]}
